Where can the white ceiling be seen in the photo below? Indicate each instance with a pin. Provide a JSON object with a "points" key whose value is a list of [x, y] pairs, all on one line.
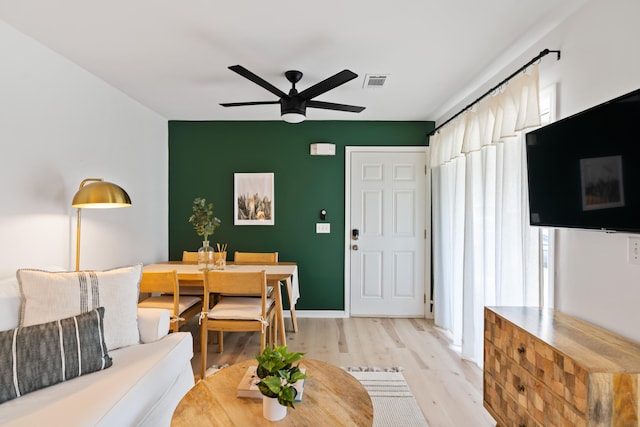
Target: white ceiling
{"points": [[172, 56]]}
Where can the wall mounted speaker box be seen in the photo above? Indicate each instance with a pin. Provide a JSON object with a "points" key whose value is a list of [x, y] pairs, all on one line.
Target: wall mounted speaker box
{"points": [[323, 149]]}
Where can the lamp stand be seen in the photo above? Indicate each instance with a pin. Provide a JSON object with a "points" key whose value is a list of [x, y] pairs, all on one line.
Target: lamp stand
{"points": [[78, 242], [82, 184]]}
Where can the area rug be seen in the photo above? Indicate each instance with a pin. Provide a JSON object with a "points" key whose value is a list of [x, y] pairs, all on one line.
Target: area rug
{"points": [[393, 402], [213, 369]]}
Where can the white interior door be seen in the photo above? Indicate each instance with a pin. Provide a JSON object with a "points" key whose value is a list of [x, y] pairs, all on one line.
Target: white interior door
{"points": [[388, 252]]}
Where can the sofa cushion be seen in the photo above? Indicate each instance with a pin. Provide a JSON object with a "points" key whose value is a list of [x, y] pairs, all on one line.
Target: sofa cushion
{"points": [[146, 380], [153, 324], [41, 355], [48, 296]]}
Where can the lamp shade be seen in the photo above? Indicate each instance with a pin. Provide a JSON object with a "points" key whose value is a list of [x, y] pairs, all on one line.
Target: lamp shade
{"points": [[101, 194]]}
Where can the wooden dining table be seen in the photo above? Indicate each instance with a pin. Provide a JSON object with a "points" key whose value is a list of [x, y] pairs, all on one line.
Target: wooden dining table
{"points": [[284, 272]]}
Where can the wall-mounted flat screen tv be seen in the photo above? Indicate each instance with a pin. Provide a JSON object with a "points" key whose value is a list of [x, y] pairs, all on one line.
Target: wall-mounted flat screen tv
{"points": [[584, 170]]}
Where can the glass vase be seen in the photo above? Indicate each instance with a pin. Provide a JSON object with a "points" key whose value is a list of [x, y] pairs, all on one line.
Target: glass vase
{"points": [[220, 260], [205, 257]]}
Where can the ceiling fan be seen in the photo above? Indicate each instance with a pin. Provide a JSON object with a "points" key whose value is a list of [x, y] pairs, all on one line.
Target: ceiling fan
{"points": [[293, 106]]}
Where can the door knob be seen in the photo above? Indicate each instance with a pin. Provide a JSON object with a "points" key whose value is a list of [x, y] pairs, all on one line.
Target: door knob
{"points": [[354, 247]]}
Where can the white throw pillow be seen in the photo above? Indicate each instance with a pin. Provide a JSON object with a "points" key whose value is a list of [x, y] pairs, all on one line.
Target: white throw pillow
{"points": [[9, 303], [51, 296]]}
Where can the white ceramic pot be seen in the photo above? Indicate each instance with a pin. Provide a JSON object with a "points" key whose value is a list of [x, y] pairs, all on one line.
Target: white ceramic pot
{"points": [[272, 410]]}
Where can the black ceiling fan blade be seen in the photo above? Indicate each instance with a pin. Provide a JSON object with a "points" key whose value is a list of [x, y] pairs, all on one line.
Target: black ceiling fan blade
{"points": [[242, 104], [257, 80], [326, 85], [332, 106]]}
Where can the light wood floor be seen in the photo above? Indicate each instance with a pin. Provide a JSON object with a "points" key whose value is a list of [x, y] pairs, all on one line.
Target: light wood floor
{"points": [[447, 388]]}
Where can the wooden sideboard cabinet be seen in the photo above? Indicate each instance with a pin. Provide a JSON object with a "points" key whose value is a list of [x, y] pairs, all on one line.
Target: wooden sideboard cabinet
{"points": [[543, 368]]}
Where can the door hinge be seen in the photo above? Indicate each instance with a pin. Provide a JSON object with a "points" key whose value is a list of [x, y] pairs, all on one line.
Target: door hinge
{"points": [[425, 169], [425, 234], [425, 298]]}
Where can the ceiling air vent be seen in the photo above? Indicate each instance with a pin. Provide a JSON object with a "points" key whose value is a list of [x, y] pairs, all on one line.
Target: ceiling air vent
{"points": [[375, 81]]}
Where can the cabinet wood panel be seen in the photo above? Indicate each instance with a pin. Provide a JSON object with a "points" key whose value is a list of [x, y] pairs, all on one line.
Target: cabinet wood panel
{"points": [[558, 370]]}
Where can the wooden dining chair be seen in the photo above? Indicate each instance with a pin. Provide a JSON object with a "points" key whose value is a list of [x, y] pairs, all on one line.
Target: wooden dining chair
{"points": [[241, 312], [188, 256], [181, 307], [255, 257], [192, 257], [191, 287], [194, 287], [265, 258]]}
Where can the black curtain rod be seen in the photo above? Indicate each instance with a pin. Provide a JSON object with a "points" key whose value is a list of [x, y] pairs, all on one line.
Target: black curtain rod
{"points": [[515, 73]]}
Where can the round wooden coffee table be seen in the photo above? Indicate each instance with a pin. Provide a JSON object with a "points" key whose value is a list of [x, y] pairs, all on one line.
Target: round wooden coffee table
{"points": [[332, 397]]}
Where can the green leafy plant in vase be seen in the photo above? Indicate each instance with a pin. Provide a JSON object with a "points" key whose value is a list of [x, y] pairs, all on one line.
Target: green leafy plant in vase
{"points": [[278, 376], [205, 225]]}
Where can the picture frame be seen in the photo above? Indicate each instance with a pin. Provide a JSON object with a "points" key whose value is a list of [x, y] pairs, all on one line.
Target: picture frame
{"points": [[253, 199], [601, 180]]}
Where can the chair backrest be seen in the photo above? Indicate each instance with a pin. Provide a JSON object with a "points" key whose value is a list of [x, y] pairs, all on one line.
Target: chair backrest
{"points": [[160, 281], [235, 283], [189, 256], [193, 256], [255, 257]]}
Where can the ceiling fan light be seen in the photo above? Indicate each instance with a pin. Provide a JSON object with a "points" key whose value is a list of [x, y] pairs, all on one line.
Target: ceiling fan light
{"points": [[293, 117]]}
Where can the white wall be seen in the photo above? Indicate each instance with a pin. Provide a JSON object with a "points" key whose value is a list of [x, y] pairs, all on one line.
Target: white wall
{"points": [[60, 124], [600, 47], [600, 60]]}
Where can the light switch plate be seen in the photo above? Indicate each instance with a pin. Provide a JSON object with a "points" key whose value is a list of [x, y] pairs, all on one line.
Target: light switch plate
{"points": [[323, 227], [634, 250]]}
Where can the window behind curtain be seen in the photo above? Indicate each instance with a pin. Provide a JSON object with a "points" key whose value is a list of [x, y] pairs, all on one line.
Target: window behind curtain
{"points": [[547, 234]]}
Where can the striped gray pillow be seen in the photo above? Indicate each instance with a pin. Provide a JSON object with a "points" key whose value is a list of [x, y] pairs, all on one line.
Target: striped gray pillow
{"points": [[34, 357]]}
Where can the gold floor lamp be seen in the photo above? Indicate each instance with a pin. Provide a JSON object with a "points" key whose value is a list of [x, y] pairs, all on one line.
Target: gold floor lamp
{"points": [[96, 193]]}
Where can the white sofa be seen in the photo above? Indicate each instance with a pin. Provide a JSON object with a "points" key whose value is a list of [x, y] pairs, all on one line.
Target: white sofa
{"points": [[141, 388]]}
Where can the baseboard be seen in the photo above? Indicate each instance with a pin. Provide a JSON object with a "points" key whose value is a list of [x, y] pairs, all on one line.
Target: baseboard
{"points": [[333, 314], [317, 314]]}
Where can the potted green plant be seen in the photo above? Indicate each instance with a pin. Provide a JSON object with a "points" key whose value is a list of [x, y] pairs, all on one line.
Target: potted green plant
{"points": [[278, 376], [205, 225]]}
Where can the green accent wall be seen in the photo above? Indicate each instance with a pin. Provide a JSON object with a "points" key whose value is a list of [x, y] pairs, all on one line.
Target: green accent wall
{"points": [[203, 156]]}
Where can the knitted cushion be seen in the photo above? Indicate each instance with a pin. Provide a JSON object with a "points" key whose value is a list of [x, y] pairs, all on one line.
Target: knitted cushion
{"points": [[41, 355], [239, 308]]}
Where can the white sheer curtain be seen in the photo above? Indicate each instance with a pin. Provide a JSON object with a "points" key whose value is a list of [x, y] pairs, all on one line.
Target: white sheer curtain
{"points": [[484, 251]]}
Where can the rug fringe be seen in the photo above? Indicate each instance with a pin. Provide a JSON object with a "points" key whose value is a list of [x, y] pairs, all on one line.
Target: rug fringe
{"points": [[226, 365], [372, 369], [215, 368]]}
